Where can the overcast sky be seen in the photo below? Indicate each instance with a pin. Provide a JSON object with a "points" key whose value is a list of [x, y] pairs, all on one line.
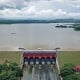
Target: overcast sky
{"points": [[40, 9]]}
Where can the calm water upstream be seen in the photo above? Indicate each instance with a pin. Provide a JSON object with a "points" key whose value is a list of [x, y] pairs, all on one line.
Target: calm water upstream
{"points": [[34, 36]]}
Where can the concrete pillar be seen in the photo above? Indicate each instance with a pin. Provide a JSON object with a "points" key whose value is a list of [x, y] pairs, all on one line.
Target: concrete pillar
{"points": [[36, 60]]}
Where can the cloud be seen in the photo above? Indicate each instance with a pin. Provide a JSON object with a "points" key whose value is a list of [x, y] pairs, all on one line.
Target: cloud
{"points": [[12, 3], [59, 0], [39, 9]]}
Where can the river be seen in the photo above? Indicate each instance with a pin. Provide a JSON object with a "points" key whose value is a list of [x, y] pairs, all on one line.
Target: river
{"points": [[38, 35]]}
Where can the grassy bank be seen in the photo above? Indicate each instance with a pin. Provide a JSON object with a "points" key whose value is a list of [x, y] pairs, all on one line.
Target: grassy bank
{"points": [[11, 56], [69, 57]]}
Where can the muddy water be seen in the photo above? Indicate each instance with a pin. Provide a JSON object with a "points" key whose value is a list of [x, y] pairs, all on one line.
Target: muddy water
{"points": [[34, 36]]}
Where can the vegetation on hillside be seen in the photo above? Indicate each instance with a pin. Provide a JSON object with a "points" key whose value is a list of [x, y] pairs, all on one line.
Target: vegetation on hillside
{"points": [[14, 21]]}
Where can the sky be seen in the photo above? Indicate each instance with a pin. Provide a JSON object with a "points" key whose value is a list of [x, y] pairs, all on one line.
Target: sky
{"points": [[40, 9]]}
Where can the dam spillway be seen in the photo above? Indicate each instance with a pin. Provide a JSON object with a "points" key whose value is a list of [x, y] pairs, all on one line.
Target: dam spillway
{"points": [[33, 57]]}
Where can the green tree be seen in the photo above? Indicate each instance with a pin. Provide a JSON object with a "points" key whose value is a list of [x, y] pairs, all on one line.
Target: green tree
{"points": [[67, 69], [14, 67], [68, 73], [70, 77], [10, 71], [74, 76]]}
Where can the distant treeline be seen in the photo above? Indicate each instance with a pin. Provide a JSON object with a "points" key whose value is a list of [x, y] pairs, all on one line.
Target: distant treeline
{"points": [[14, 21]]}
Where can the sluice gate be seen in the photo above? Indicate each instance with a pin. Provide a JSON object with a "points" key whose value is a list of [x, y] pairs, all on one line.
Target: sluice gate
{"points": [[32, 57]]}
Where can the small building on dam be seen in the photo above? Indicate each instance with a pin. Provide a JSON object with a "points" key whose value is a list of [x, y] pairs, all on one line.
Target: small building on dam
{"points": [[32, 57]]}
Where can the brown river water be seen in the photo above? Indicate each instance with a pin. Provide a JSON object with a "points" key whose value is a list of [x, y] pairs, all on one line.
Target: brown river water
{"points": [[34, 36]]}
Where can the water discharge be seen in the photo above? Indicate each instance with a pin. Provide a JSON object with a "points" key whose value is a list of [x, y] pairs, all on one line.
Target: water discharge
{"points": [[43, 73]]}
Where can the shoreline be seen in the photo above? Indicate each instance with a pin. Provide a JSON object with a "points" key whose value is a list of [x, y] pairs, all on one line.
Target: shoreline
{"points": [[36, 48]]}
